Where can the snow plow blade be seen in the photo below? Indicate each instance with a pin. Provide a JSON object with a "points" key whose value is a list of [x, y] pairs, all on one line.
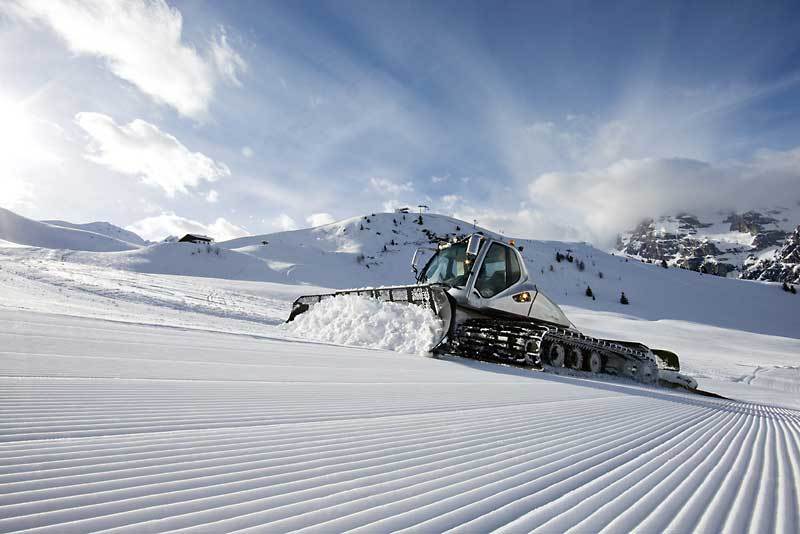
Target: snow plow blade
{"points": [[433, 297], [667, 360]]}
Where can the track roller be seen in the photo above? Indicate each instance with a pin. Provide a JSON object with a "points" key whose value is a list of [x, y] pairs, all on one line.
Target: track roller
{"points": [[557, 355], [596, 362], [575, 358]]}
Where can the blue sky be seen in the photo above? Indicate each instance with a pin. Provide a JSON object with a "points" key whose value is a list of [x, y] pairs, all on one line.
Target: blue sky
{"points": [[565, 120]]}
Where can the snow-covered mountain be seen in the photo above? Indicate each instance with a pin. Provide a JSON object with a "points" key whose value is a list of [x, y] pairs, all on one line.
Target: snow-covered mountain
{"points": [[103, 228], [376, 249], [23, 231], [745, 245]]}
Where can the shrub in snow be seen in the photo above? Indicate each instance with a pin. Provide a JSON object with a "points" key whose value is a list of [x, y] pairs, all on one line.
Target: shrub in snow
{"points": [[600, 274], [589, 292], [664, 264], [623, 299], [559, 257], [581, 265], [785, 287], [792, 290], [364, 322]]}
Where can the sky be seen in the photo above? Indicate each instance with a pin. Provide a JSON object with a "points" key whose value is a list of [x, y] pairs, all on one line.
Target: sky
{"points": [[550, 120]]}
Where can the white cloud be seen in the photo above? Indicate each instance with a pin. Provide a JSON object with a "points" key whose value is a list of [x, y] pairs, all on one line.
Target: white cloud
{"points": [[451, 200], [229, 63], [141, 149], [158, 227], [247, 152], [439, 179], [212, 196], [318, 219], [392, 188], [284, 222], [141, 41], [600, 203]]}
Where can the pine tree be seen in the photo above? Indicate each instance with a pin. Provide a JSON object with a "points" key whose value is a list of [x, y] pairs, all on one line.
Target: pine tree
{"points": [[384, 248], [360, 226], [623, 299], [664, 264], [600, 274], [589, 292], [792, 290], [581, 266], [559, 257], [785, 287]]}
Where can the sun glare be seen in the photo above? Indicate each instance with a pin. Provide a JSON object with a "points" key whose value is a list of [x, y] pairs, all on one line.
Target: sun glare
{"points": [[21, 146]]}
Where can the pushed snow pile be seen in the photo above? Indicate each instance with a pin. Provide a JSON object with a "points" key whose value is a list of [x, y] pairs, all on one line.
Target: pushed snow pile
{"points": [[364, 322]]}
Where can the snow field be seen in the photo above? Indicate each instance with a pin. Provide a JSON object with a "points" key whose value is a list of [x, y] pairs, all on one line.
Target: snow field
{"points": [[389, 443], [363, 322], [134, 402]]}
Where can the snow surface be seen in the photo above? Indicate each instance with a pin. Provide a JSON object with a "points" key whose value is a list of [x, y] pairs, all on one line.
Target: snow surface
{"points": [[361, 322], [23, 231], [104, 228], [142, 401]]}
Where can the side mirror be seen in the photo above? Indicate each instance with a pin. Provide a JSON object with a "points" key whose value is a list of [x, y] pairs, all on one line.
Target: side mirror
{"points": [[414, 260], [473, 245]]}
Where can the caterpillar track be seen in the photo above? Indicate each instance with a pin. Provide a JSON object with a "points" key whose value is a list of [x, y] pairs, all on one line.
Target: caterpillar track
{"points": [[537, 345]]}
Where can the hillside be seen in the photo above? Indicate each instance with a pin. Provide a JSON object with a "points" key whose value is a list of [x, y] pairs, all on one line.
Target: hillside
{"points": [[103, 228], [24, 231], [187, 259], [377, 250]]}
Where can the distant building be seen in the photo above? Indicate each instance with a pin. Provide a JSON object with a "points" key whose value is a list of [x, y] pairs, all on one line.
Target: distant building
{"points": [[196, 238]]}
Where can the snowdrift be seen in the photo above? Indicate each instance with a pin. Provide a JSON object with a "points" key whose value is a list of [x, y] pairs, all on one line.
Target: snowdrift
{"points": [[363, 322], [24, 231]]}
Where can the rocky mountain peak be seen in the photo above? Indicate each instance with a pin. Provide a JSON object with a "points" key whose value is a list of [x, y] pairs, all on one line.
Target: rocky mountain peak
{"points": [[753, 244]]}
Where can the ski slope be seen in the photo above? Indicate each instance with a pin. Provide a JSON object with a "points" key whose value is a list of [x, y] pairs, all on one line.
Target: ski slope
{"points": [[135, 400], [136, 428]]}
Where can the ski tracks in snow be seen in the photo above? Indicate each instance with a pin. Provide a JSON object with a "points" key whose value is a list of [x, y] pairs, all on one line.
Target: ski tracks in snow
{"points": [[143, 456], [327, 439]]}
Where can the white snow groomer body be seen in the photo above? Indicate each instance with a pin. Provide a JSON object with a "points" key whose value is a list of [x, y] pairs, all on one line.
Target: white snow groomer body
{"points": [[492, 310]]}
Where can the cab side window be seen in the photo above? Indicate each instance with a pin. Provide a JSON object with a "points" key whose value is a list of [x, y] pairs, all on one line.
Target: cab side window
{"points": [[499, 271]]}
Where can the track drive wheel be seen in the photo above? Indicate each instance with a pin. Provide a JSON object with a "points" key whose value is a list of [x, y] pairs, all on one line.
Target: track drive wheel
{"points": [[595, 362], [575, 358]]}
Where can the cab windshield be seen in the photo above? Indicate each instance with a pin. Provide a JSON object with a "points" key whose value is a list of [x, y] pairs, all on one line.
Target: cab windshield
{"points": [[448, 266]]}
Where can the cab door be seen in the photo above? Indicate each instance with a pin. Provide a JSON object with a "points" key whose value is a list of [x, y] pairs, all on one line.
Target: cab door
{"points": [[498, 281]]}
